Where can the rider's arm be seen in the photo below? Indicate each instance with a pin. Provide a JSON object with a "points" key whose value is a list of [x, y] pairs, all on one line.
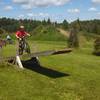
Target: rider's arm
{"points": [[17, 35], [27, 34]]}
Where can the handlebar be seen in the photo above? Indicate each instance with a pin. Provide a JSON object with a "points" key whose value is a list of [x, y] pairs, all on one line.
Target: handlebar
{"points": [[24, 37]]}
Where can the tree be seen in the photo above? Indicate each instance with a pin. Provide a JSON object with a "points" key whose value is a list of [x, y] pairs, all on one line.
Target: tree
{"points": [[73, 40], [65, 24], [79, 24], [97, 46], [48, 21], [44, 22]]}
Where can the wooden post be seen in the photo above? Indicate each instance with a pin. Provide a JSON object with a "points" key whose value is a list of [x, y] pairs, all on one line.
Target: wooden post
{"points": [[18, 61]]}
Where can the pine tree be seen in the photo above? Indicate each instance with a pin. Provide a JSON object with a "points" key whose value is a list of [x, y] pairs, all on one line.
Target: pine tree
{"points": [[48, 21], [65, 24], [44, 22], [73, 40], [79, 24]]}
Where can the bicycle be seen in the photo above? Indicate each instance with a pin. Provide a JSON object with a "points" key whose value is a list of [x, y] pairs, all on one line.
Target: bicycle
{"points": [[23, 46]]}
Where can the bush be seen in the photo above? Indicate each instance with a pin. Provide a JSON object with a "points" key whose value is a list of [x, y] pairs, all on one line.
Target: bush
{"points": [[97, 47], [2, 31]]}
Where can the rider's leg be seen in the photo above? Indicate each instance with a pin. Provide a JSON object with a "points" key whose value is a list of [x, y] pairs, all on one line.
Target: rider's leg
{"points": [[20, 47], [27, 48]]}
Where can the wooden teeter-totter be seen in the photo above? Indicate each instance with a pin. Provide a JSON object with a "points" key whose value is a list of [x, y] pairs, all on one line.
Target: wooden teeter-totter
{"points": [[48, 53], [17, 59]]}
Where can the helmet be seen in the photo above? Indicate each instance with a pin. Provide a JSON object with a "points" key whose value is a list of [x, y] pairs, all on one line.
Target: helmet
{"points": [[22, 27]]}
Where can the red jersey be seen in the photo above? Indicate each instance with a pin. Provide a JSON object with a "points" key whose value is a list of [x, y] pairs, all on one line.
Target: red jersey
{"points": [[21, 34]]}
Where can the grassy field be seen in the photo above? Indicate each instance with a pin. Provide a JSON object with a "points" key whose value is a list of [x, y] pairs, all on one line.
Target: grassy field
{"points": [[73, 76]]}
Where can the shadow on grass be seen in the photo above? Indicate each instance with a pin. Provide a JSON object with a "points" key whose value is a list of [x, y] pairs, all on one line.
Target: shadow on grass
{"points": [[34, 65]]}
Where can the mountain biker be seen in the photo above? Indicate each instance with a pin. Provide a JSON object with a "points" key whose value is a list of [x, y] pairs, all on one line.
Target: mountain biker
{"points": [[21, 33], [23, 45], [9, 39]]}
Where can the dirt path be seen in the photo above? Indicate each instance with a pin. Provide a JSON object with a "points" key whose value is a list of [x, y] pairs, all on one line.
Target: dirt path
{"points": [[63, 32]]}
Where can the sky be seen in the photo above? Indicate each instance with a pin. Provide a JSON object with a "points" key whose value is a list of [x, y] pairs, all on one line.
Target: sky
{"points": [[56, 10]]}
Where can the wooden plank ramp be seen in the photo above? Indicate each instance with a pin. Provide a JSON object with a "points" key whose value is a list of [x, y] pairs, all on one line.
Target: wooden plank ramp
{"points": [[17, 59], [38, 54], [48, 53]]}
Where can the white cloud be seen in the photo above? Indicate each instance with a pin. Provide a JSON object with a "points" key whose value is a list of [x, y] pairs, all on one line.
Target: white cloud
{"points": [[38, 14], [21, 16], [30, 15], [96, 1], [98, 13], [92, 9], [8, 7], [73, 10], [39, 3], [27, 6], [20, 1], [44, 14]]}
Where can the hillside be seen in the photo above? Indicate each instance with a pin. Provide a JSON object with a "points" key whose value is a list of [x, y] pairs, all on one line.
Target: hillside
{"points": [[47, 33]]}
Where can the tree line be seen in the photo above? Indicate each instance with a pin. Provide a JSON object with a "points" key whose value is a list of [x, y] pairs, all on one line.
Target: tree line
{"points": [[11, 25]]}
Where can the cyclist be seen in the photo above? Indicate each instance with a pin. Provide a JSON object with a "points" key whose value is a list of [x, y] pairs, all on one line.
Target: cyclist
{"points": [[9, 39], [23, 45]]}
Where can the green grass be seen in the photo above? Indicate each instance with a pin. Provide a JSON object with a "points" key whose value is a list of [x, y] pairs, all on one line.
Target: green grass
{"points": [[82, 82], [47, 33]]}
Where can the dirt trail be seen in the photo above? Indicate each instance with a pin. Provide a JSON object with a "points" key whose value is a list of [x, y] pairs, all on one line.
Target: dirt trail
{"points": [[63, 32]]}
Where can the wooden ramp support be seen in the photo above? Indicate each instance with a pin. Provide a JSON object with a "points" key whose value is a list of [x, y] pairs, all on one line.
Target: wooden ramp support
{"points": [[18, 61]]}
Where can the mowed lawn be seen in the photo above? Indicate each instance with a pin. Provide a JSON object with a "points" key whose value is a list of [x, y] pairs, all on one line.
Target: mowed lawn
{"points": [[73, 76]]}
